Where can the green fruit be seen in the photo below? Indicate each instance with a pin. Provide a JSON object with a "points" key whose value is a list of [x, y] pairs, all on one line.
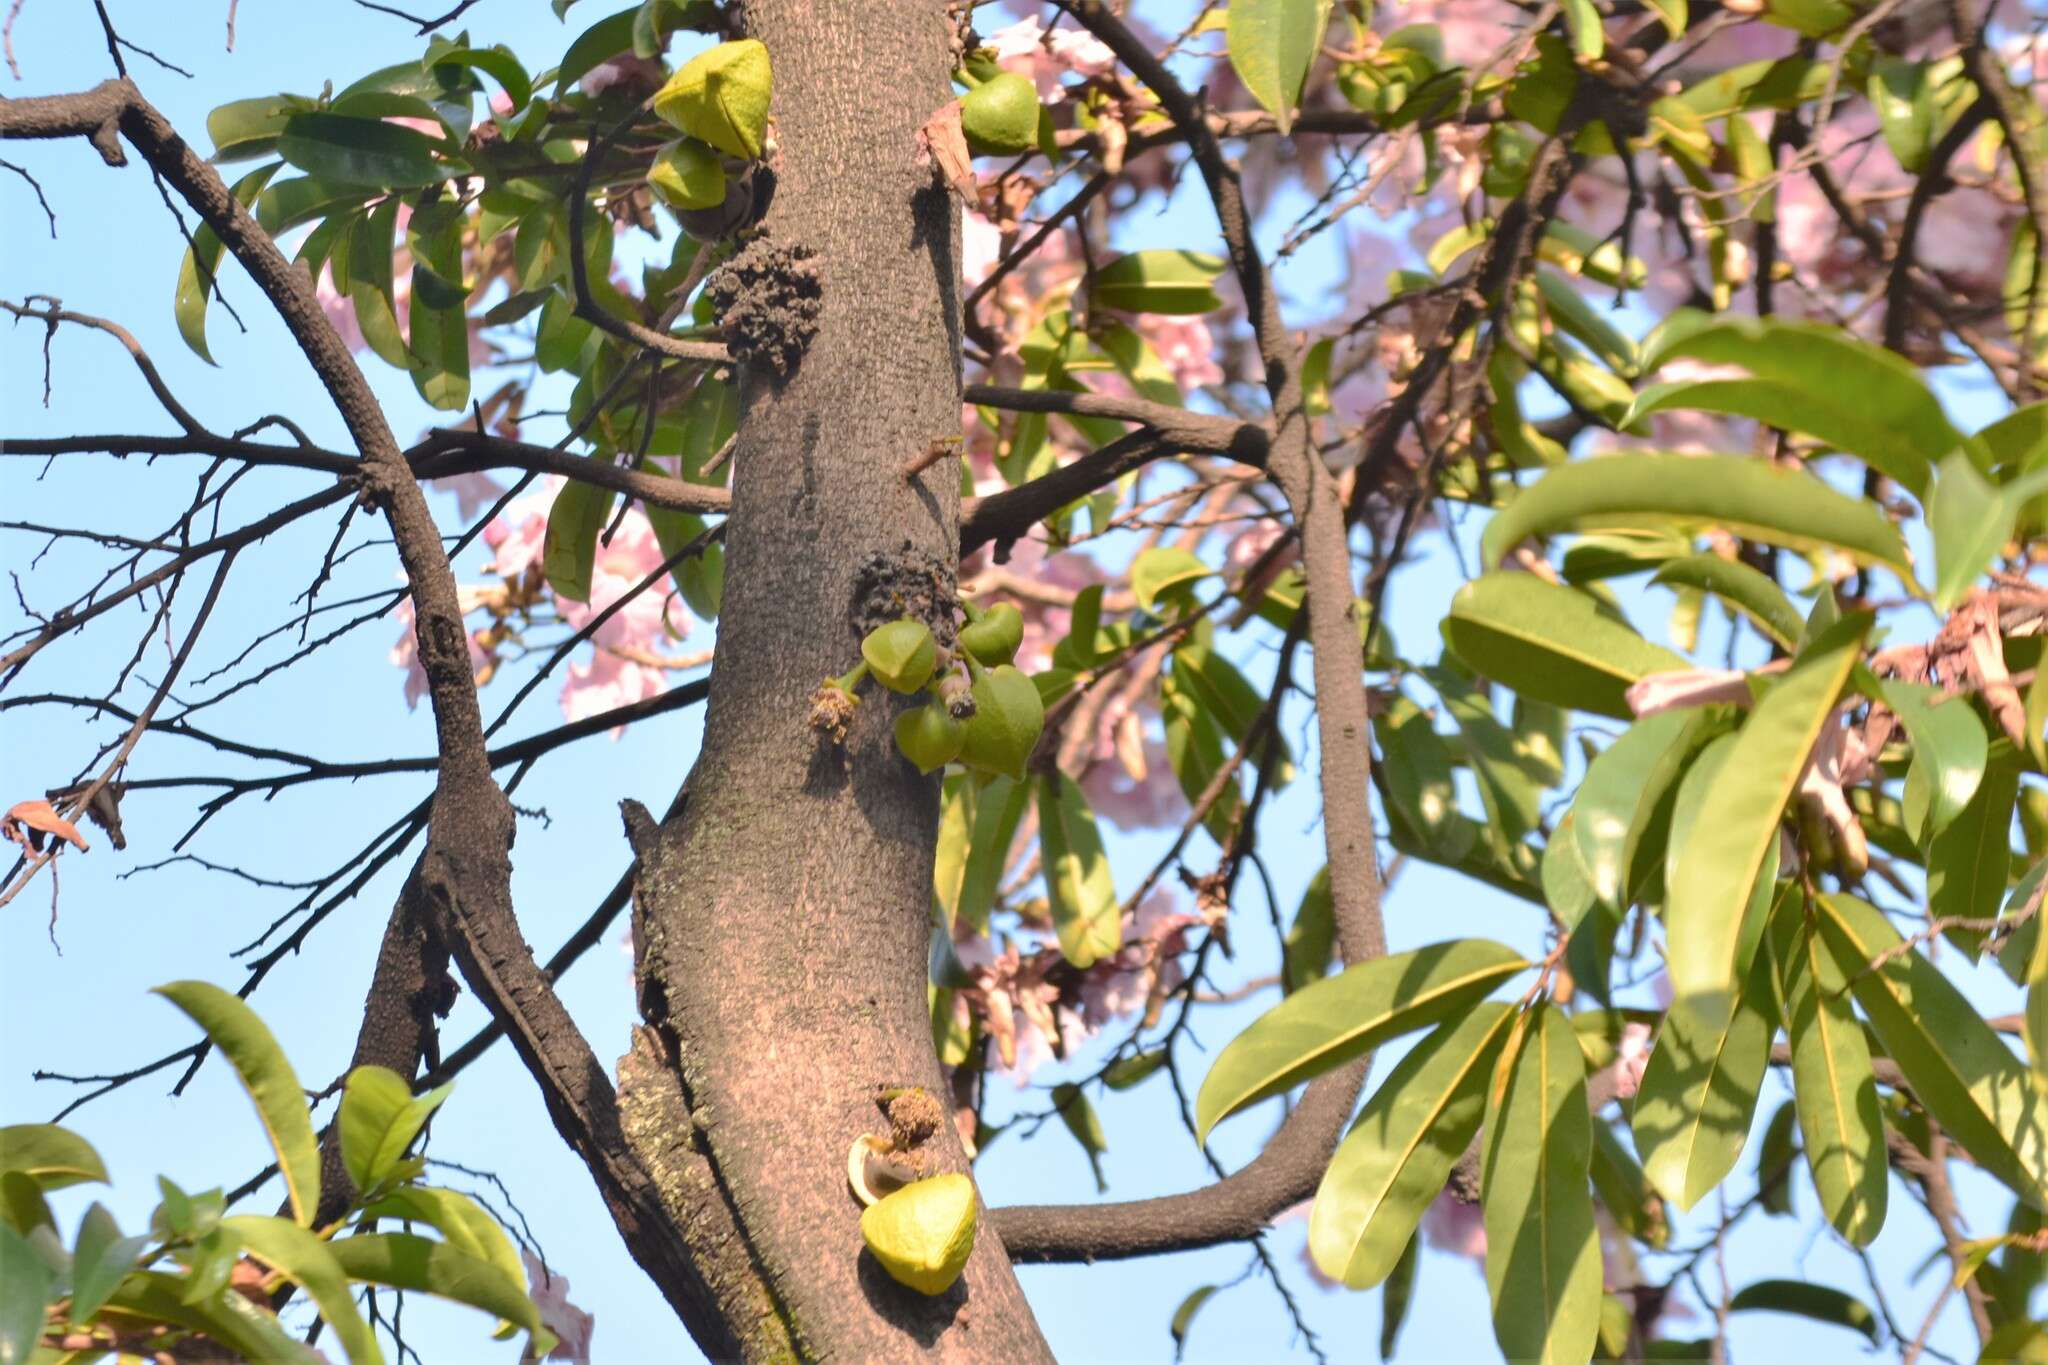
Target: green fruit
{"points": [[1008, 718], [721, 95], [1000, 116], [930, 737], [687, 175], [923, 1233], [901, 654], [994, 638]]}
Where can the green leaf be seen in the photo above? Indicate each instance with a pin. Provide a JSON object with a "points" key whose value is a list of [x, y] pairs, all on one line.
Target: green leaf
{"points": [[1745, 589], [1396, 1298], [998, 809], [404, 1261], [1159, 281], [1699, 1089], [51, 1156], [1273, 43], [1127, 1072], [1775, 1156], [1971, 521], [1822, 1303], [1085, 912], [1184, 1317], [1550, 643], [1833, 1088], [1717, 863], [1618, 1178], [1622, 789], [280, 1100], [1749, 497], [26, 1287], [1782, 83], [439, 316], [1582, 21], [1968, 862], [1305, 953], [1949, 747], [242, 129], [1323, 1026], [1399, 1153], [198, 273], [569, 550], [371, 286], [458, 1218], [1416, 764], [599, 43], [1164, 570], [1542, 1247], [1567, 885], [309, 1263], [1086, 1126], [289, 203], [379, 1118], [239, 1325], [361, 151], [1961, 1071], [1814, 378], [99, 1261], [499, 63]]}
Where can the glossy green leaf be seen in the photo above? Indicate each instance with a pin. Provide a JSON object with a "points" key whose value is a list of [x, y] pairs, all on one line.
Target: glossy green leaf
{"points": [[1323, 1026], [1273, 43], [569, 551], [499, 63], [371, 285], [1746, 590], [1415, 762], [198, 272], [1717, 864], [1582, 21], [360, 151], [1814, 378], [1127, 1072], [1542, 1246], [1784, 83], [309, 1263], [1162, 570], [1085, 911], [228, 1318], [1964, 1074], [379, 1118], [51, 1156], [1775, 1158], [458, 1218], [1398, 1154], [1621, 790], [280, 1101], [1820, 1302], [1699, 1090], [998, 807], [599, 43], [1396, 1298], [1749, 497], [439, 338], [1834, 1091], [404, 1261], [1550, 643], [99, 1259], [1949, 746], [1159, 281], [241, 129], [1567, 882]]}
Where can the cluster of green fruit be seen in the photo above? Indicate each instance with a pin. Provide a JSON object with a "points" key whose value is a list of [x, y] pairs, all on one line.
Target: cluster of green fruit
{"points": [[987, 719], [1000, 112], [719, 98]]}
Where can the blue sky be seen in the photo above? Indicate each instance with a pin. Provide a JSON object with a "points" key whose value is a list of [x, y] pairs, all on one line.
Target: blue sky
{"points": [[85, 1009]]}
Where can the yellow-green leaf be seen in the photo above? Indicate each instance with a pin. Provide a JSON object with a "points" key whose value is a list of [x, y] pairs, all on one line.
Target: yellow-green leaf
{"points": [[1550, 643], [1085, 912]]}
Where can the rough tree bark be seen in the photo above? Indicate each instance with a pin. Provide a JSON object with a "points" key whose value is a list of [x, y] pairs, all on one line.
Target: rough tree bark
{"points": [[782, 918]]}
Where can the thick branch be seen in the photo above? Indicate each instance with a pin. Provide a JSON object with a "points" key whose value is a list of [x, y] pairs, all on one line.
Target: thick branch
{"points": [[1287, 1170]]}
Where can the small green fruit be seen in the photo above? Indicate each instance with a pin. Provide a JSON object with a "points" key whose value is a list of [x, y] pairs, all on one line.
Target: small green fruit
{"points": [[1008, 718], [1000, 116], [995, 637], [923, 1233], [901, 655], [687, 175], [930, 737], [721, 95]]}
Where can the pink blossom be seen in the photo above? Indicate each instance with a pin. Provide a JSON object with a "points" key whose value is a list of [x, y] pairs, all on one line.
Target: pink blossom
{"points": [[1450, 1224], [626, 69], [606, 683], [1150, 799], [981, 246], [1681, 687], [501, 103], [550, 1290], [429, 127], [1186, 346], [1630, 1058], [1027, 49]]}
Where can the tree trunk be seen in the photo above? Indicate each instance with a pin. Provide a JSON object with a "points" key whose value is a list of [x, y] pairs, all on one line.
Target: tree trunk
{"points": [[782, 918]]}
